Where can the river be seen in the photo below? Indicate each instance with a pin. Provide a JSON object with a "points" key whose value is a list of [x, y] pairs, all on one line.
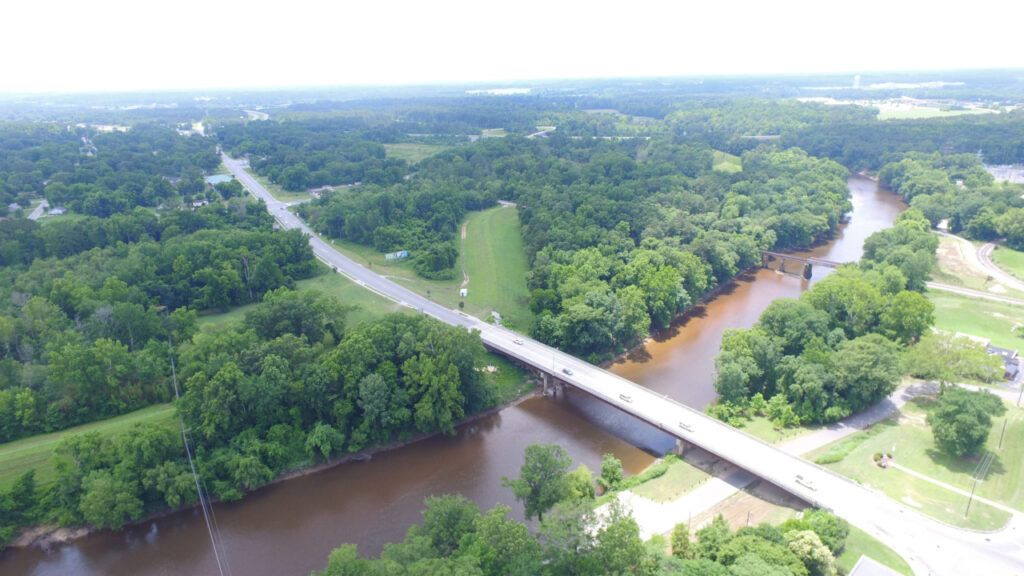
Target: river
{"points": [[291, 527]]}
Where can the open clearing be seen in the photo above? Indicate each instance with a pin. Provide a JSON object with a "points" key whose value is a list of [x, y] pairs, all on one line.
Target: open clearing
{"points": [[34, 452], [982, 318], [909, 439], [367, 304], [412, 152], [491, 256], [725, 162]]}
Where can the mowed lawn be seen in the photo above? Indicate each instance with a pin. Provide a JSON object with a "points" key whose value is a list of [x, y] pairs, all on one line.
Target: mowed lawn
{"points": [[909, 439], [495, 264], [977, 317], [860, 543], [492, 263], [1009, 260], [412, 152], [35, 452], [367, 305], [725, 162]]}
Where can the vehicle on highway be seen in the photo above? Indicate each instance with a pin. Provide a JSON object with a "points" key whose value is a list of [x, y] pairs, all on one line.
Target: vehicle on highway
{"points": [[626, 398], [567, 371], [686, 426], [806, 482], [518, 341]]}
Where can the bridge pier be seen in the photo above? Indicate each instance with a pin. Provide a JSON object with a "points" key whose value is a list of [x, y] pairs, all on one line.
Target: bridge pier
{"points": [[680, 448], [550, 386], [808, 272]]}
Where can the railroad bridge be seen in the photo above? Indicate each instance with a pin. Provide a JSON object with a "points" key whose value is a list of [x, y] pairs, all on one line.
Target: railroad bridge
{"points": [[808, 262]]}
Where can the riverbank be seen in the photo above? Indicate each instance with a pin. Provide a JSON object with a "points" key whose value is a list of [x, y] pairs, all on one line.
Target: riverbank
{"points": [[47, 536]]}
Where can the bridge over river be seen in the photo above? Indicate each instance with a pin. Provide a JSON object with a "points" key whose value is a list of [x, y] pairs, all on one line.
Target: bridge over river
{"points": [[926, 543]]}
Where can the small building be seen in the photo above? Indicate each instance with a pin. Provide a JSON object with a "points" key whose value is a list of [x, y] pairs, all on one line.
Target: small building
{"points": [[57, 211], [1011, 362], [200, 203], [13, 207], [463, 293]]}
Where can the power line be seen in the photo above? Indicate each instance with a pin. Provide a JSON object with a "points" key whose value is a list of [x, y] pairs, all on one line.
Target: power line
{"points": [[188, 452]]}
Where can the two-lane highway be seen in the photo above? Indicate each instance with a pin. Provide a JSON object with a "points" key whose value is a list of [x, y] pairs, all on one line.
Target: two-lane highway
{"points": [[930, 546]]}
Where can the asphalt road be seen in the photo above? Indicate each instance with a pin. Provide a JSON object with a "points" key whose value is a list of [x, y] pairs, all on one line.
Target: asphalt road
{"points": [[928, 545], [973, 293], [985, 257]]}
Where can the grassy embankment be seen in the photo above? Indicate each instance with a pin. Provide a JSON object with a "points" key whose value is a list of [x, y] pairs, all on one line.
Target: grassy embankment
{"points": [[276, 191], [908, 437], [34, 452], [725, 162], [1010, 260], [956, 267], [492, 266], [412, 152], [860, 543]]}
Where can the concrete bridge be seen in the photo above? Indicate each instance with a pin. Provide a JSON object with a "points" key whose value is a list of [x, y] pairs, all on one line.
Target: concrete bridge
{"points": [[924, 541]]}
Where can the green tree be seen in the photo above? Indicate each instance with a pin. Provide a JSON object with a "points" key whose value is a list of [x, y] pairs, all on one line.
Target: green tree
{"points": [[809, 549], [541, 483], [962, 419], [681, 541], [109, 502], [611, 472], [447, 519], [907, 317]]}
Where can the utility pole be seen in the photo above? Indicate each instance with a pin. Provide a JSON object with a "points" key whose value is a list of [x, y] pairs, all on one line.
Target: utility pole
{"points": [[980, 472]]}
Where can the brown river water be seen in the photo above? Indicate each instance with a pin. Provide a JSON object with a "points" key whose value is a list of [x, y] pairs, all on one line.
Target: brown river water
{"points": [[290, 528]]}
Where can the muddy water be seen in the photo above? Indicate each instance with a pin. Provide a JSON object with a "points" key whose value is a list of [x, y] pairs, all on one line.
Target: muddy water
{"points": [[680, 361], [291, 527]]}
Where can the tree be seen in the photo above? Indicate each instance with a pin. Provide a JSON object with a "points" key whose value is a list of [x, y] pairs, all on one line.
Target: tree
{"points": [[504, 546], [867, 370], [681, 541], [961, 420], [907, 317], [611, 472], [815, 556], [541, 483], [447, 519], [107, 501]]}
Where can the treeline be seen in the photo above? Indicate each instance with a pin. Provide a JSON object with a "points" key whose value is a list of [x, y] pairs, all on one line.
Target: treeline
{"points": [[287, 388], [311, 153], [871, 144], [100, 173], [958, 189], [85, 337], [574, 539], [836, 350], [22, 240], [731, 124]]}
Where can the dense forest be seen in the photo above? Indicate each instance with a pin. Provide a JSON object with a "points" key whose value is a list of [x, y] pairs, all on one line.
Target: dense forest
{"points": [[836, 350], [289, 387], [621, 235], [100, 173]]}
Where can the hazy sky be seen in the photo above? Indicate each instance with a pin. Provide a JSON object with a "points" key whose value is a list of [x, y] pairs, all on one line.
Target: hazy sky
{"points": [[84, 45]]}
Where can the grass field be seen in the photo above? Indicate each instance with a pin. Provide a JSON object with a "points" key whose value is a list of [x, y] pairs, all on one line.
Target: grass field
{"points": [[679, 479], [494, 133], [368, 304], [725, 162], [412, 152], [909, 439], [1009, 260], [860, 543], [761, 427], [983, 318], [18, 456], [491, 257]]}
